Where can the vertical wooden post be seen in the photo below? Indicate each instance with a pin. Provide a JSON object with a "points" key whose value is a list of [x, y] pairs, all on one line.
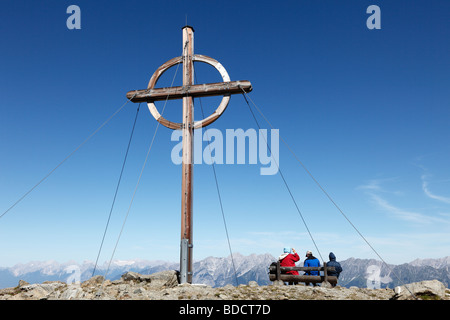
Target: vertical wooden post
{"points": [[278, 270], [187, 163], [325, 272]]}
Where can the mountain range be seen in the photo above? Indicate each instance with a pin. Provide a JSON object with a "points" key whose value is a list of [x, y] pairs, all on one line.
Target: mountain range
{"points": [[218, 272]]}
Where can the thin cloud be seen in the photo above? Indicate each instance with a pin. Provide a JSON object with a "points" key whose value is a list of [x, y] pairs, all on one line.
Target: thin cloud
{"points": [[375, 185], [431, 195], [400, 213], [374, 188], [371, 185]]}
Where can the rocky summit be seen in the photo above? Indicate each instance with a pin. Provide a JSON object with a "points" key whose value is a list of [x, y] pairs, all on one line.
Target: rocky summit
{"points": [[164, 286]]}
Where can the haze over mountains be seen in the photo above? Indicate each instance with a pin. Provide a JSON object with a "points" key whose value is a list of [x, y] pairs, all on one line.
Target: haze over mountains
{"points": [[218, 272]]}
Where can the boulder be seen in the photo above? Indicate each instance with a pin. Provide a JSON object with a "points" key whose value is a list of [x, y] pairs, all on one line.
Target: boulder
{"points": [[73, 292], [96, 280], [164, 279], [23, 283], [134, 276], [39, 291], [432, 289]]}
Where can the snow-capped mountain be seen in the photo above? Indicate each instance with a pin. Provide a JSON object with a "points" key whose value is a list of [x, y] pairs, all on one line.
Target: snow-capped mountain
{"points": [[217, 272], [373, 273], [435, 263], [40, 271]]}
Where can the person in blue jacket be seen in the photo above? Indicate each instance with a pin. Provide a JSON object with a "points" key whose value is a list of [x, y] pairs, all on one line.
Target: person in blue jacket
{"points": [[311, 261]]}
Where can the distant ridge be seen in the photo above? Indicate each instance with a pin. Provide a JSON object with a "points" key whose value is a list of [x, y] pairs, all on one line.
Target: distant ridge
{"points": [[435, 263], [219, 271]]}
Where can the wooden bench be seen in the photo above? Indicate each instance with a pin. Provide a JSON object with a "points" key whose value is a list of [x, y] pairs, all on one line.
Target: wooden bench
{"points": [[278, 273]]}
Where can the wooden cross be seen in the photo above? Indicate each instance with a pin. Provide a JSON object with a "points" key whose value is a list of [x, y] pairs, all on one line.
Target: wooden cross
{"points": [[188, 92]]}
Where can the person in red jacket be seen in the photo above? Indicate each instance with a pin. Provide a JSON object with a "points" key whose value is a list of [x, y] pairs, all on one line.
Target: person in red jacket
{"points": [[288, 259]]}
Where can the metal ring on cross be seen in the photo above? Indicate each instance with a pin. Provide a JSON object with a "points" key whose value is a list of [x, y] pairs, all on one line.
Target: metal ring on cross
{"points": [[197, 124]]}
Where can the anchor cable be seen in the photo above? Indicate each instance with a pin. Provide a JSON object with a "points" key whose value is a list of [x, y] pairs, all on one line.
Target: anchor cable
{"points": [[218, 194], [131, 202], [66, 158], [117, 189], [135, 189], [285, 183], [327, 195]]}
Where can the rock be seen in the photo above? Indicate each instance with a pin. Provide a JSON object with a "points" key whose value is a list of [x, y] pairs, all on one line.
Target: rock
{"points": [[35, 291], [138, 291], [9, 291], [164, 286], [73, 292], [23, 283], [134, 276], [96, 280], [164, 279], [326, 285], [432, 289], [229, 287]]}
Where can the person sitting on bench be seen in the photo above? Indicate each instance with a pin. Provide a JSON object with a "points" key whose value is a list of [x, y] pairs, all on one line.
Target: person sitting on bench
{"points": [[311, 261], [288, 259]]}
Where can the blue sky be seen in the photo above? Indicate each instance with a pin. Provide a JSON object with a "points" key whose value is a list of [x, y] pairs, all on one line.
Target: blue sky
{"points": [[366, 111]]}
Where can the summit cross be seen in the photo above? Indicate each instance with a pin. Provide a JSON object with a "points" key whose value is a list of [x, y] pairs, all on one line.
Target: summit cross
{"points": [[187, 93]]}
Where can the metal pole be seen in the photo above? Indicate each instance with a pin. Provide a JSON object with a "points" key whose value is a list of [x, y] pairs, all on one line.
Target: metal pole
{"points": [[187, 164]]}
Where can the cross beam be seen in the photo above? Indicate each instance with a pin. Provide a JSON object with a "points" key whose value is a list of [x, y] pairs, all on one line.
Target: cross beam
{"points": [[195, 91]]}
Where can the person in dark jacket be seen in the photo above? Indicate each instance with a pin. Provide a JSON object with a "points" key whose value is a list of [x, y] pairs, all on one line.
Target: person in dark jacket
{"points": [[335, 264]]}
